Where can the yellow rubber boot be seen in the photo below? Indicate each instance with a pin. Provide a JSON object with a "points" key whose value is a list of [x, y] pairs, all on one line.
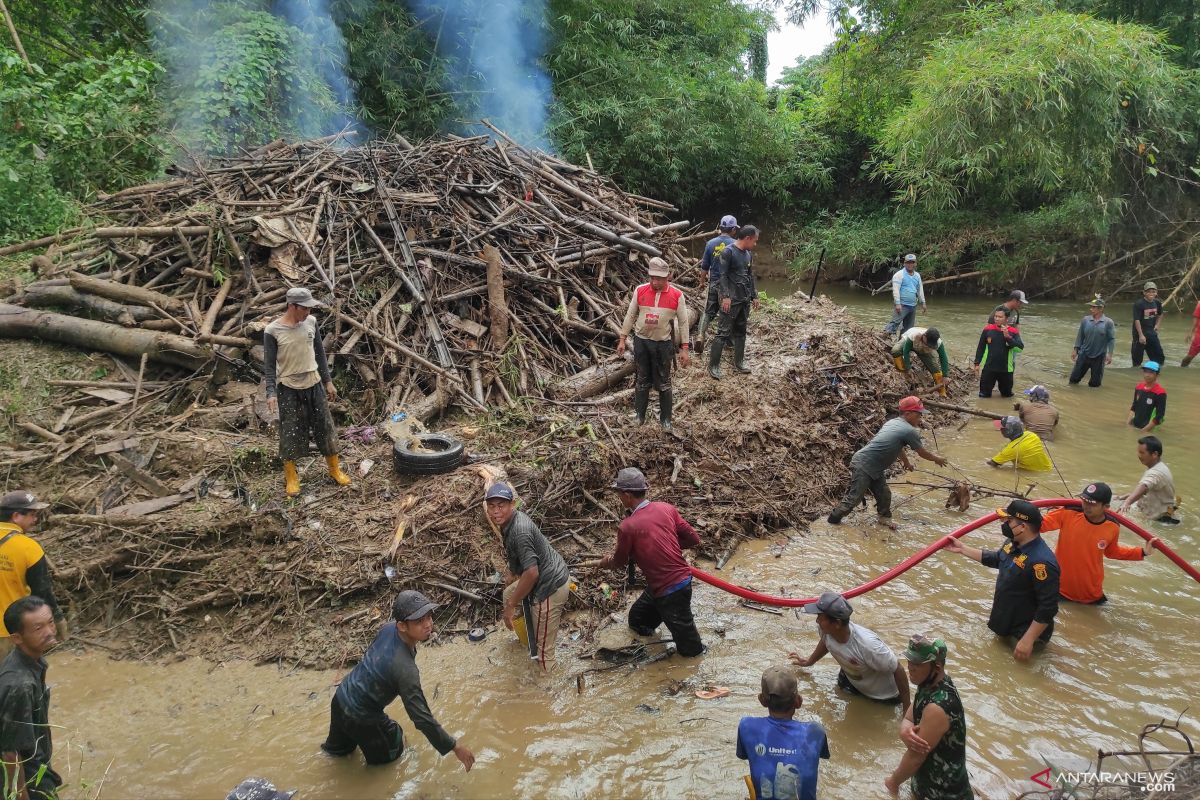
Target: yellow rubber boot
{"points": [[899, 362], [291, 479], [335, 471], [941, 383]]}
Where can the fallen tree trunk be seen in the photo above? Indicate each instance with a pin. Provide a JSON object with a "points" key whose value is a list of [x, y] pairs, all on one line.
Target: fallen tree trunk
{"points": [[963, 409], [23, 323], [46, 295], [497, 306], [594, 380], [124, 293]]}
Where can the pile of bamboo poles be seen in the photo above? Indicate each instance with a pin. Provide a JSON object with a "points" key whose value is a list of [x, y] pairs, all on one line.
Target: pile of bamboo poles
{"points": [[465, 267]]}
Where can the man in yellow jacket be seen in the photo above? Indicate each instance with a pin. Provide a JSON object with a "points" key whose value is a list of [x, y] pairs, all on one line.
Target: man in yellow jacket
{"points": [[1024, 449], [24, 569]]}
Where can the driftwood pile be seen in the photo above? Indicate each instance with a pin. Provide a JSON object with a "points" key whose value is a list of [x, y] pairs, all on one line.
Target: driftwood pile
{"points": [[458, 270]]}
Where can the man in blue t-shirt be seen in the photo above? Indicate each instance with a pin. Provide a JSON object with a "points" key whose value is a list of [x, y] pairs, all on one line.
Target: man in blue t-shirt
{"points": [[712, 274], [784, 754], [908, 290]]}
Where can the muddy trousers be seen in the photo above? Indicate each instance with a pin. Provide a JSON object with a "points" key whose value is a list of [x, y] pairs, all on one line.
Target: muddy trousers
{"points": [[1085, 364], [989, 378], [860, 484], [674, 609], [1152, 348], [304, 413], [653, 360], [547, 616], [380, 740]]}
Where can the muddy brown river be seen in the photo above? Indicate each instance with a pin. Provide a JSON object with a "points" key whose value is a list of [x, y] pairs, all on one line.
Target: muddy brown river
{"points": [[195, 729]]}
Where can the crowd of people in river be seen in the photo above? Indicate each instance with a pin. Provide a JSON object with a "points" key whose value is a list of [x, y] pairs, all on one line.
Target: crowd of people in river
{"points": [[783, 754]]}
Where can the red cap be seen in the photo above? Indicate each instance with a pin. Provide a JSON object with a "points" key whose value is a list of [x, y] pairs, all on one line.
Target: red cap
{"points": [[912, 403]]}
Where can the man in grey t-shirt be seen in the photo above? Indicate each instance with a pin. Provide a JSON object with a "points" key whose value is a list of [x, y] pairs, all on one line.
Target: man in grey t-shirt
{"points": [[537, 574], [868, 465]]}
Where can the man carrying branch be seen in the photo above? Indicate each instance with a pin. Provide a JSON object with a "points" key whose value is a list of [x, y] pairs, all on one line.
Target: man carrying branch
{"points": [[298, 383]]}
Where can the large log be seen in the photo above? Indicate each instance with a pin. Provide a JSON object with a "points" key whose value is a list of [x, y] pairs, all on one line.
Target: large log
{"points": [[51, 295], [497, 306], [23, 323], [124, 293], [594, 380]]}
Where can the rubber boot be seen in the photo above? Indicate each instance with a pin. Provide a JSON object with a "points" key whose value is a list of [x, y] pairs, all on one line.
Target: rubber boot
{"points": [[702, 334], [899, 362], [335, 471], [664, 409], [714, 358], [940, 381], [641, 400], [739, 356], [291, 479]]}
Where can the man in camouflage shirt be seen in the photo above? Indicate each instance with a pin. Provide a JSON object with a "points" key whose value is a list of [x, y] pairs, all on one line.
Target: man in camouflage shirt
{"points": [[934, 729]]}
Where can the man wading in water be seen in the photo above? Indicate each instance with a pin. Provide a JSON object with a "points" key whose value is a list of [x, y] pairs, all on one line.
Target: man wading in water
{"points": [[389, 670], [294, 366]]}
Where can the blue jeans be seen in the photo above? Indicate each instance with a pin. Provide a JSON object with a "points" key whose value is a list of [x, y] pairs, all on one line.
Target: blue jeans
{"points": [[902, 320]]}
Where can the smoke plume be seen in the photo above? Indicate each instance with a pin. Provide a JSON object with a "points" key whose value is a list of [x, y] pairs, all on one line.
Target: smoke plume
{"points": [[494, 49]]}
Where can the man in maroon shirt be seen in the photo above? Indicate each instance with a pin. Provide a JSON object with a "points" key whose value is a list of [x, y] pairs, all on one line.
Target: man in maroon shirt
{"points": [[654, 536]]}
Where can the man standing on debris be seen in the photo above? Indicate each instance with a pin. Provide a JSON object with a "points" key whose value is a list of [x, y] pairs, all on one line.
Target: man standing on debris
{"points": [[868, 667], [25, 733], [1036, 413], [739, 294], [934, 729], [925, 342], [389, 670], [1154, 496], [1146, 314], [654, 536], [537, 574], [24, 569], [907, 290], [712, 274], [868, 465], [1094, 345], [658, 317], [1085, 539], [298, 383], [1012, 308], [1027, 582]]}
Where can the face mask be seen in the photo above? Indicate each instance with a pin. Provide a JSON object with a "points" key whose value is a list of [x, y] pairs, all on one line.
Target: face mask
{"points": [[1006, 530]]}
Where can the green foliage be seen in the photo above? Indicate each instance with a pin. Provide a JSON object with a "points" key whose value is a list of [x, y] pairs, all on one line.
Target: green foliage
{"points": [[395, 67], [949, 239], [660, 95], [240, 76], [87, 126], [1029, 107]]}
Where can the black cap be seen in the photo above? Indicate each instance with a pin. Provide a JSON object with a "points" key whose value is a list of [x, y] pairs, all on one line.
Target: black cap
{"points": [[1100, 492], [21, 500], [411, 605], [831, 604], [499, 491], [1022, 510]]}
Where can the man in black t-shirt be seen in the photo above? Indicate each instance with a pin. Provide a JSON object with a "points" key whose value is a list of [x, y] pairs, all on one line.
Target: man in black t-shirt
{"points": [[1146, 314], [738, 294]]}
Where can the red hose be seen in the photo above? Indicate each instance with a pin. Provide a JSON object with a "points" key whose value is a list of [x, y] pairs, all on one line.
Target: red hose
{"points": [[916, 558]]}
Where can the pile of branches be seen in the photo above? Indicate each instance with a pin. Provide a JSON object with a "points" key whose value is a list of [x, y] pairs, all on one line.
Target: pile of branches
{"points": [[457, 270], [309, 582]]}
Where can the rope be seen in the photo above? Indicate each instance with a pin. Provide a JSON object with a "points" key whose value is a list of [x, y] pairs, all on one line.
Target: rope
{"points": [[917, 558]]}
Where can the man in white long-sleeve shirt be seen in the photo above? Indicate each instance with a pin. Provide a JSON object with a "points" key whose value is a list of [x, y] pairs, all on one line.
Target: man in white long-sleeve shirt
{"points": [[907, 291]]}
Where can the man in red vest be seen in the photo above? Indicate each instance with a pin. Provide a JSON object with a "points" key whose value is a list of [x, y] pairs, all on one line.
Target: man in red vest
{"points": [[658, 318]]}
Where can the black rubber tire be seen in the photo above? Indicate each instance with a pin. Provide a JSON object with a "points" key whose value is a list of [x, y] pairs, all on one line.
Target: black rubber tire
{"points": [[447, 456]]}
